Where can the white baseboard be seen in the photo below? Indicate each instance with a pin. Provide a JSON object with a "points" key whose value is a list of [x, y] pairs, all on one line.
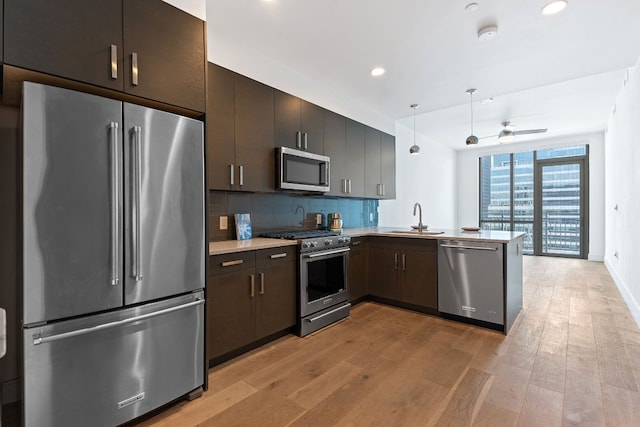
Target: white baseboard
{"points": [[633, 305], [595, 257]]}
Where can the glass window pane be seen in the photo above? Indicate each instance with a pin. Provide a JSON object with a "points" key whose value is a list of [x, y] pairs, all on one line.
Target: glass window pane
{"points": [[561, 209], [495, 188], [523, 187], [552, 153]]}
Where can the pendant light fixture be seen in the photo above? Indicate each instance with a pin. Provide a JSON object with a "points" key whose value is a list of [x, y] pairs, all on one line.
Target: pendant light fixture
{"points": [[471, 139], [415, 149]]}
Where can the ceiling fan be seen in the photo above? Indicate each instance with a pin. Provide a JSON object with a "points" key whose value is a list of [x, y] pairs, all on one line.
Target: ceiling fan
{"points": [[508, 132]]}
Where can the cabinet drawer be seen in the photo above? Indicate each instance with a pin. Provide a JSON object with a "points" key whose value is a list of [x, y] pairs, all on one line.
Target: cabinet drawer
{"points": [[275, 256], [228, 263]]}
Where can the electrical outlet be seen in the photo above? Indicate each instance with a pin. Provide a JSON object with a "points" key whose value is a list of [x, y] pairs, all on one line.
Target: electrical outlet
{"points": [[223, 222]]}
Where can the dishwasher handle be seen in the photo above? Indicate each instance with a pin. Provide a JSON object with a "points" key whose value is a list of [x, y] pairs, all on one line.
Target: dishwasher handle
{"points": [[39, 339], [479, 248]]}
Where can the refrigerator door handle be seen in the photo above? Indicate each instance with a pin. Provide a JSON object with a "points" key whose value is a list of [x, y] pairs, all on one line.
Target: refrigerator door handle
{"points": [[115, 209], [38, 339], [137, 269]]}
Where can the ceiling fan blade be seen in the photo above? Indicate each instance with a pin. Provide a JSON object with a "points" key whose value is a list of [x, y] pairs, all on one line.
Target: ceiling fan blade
{"points": [[529, 131], [490, 136]]}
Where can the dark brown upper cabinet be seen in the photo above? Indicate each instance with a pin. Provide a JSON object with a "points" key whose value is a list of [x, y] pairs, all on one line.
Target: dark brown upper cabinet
{"points": [[298, 123], [240, 121], [164, 54], [344, 144], [380, 165], [98, 42], [1, 31]]}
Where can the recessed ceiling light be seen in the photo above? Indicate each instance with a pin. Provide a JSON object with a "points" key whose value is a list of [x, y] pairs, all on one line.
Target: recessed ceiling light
{"points": [[377, 71], [486, 101], [556, 6], [471, 7], [488, 32]]}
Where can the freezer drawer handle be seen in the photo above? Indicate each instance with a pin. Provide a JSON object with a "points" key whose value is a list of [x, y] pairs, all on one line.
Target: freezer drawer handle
{"points": [[115, 211], [480, 248], [342, 307], [323, 253], [137, 269], [38, 339]]}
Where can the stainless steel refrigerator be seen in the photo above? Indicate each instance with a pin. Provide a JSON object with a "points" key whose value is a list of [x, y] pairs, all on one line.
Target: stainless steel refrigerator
{"points": [[113, 258]]}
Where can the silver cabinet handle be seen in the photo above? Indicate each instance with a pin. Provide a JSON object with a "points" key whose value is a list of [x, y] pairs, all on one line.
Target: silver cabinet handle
{"points": [[480, 248], [349, 189], [137, 267], [38, 339], [241, 175], [356, 243], [298, 139], [115, 211], [252, 292], [404, 262], [382, 186], [231, 180], [323, 253], [231, 263], [114, 61], [134, 69], [281, 255], [379, 189], [344, 186], [306, 140], [396, 260], [261, 283]]}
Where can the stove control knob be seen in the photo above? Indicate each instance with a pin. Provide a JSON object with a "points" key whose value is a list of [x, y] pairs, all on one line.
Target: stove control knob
{"points": [[306, 245], [327, 242], [313, 244]]}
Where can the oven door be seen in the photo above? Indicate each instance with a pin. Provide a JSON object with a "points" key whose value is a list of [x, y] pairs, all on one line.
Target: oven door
{"points": [[323, 280]]}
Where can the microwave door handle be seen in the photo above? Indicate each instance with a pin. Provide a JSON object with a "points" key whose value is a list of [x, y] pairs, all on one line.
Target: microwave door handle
{"points": [[324, 173]]}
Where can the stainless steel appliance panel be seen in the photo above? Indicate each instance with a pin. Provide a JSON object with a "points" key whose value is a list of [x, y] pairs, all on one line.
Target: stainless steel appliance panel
{"points": [[323, 279], [470, 280], [164, 206], [72, 202], [106, 369]]}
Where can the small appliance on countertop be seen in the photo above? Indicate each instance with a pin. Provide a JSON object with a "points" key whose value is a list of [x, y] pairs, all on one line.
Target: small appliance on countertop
{"points": [[334, 221]]}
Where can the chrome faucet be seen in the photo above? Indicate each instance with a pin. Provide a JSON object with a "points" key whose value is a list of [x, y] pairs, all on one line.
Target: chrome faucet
{"points": [[420, 226]]}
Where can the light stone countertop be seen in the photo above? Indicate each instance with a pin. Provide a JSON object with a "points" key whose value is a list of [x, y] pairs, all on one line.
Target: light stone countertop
{"points": [[231, 246], [458, 234]]}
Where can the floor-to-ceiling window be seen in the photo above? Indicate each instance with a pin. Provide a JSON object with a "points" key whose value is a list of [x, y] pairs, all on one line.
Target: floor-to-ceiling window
{"points": [[541, 193]]}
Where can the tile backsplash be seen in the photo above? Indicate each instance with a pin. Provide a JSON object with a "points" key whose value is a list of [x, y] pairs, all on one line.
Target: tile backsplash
{"points": [[280, 211]]}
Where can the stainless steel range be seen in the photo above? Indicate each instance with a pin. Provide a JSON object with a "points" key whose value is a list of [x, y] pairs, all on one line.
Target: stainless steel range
{"points": [[323, 296]]}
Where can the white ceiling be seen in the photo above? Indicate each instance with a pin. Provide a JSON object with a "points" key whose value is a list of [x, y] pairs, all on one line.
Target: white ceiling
{"points": [[561, 72]]}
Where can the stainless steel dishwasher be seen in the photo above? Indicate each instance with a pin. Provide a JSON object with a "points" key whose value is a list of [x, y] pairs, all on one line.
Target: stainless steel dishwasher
{"points": [[471, 280]]}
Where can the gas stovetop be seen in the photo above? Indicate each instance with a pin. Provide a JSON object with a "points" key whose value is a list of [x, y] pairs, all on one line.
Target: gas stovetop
{"points": [[313, 240]]}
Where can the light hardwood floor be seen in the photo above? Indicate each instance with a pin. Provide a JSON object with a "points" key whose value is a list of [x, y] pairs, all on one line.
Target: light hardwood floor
{"points": [[572, 359]]}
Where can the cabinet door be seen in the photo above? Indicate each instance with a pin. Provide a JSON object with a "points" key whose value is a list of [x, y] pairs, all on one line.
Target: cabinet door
{"points": [[66, 38], [335, 133], [288, 131], [388, 165], [355, 158], [311, 118], [372, 180], [420, 276], [358, 284], [254, 135], [276, 291], [230, 312], [220, 127], [1, 31], [169, 45], [384, 272]]}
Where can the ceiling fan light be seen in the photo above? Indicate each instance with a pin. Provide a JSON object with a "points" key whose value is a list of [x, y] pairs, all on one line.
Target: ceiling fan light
{"points": [[414, 150], [553, 7], [506, 136], [472, 140]]}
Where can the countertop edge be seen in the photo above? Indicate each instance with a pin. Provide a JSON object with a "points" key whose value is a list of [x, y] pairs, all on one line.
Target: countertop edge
{"points": [[233, 246]]}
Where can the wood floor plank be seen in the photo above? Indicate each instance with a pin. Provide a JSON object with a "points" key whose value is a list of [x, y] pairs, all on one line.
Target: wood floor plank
{"points": [[549, 371], [621, 406], [582, 400], [541, 407], [322, 386], [491, 416], [509, 387], [467, 399]]}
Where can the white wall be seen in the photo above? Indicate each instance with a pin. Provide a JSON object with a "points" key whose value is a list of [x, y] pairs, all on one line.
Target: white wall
{"points": [[428, 178], [196, 8], [622, 170], [468, 177]]}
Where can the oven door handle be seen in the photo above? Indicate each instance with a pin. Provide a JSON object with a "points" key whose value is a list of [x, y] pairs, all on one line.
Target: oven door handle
{"points": [[324, 253]]}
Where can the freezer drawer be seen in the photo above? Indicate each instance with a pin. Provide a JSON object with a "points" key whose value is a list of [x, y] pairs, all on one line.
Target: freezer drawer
{"points": [[471, 280], [104, 370]]}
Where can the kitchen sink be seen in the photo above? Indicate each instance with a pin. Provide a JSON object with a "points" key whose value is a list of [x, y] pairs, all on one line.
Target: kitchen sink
{"points": [[417, 232]]}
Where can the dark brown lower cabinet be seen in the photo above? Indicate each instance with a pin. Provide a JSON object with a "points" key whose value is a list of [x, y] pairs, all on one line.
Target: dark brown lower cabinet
{"points": [[251, 295], [358, 281], [404, 271]]}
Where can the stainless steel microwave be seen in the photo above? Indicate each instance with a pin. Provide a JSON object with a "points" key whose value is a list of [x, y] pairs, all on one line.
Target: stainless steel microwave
{"points": [[300, 170]]}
